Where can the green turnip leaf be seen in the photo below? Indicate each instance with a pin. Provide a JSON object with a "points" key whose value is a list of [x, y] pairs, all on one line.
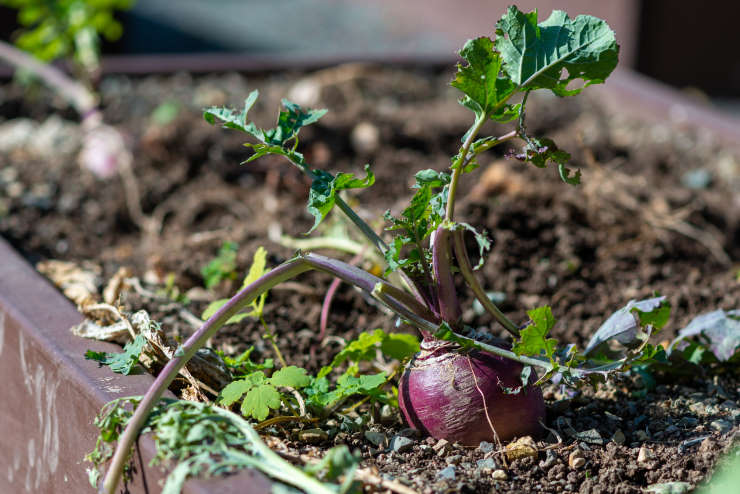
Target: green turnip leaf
{"points": [[324, 188], [533, 340], [292, 376], [551, 54], [259, 401], [485, 91]]}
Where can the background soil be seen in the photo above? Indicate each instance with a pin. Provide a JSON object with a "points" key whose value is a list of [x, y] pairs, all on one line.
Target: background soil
{"points": [[659, 210]]}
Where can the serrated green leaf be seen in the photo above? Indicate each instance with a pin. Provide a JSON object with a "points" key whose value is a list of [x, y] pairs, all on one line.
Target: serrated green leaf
{"points": [[124, 362], [533, 339], [657, 318], [360, 349], [261, 150], [272, 141], [292, 376], [324, 189], [365, 383], [540, 151], [292, 119], [233, 119], [234, 391], [556, 51], [259, 401], [424, 214], [485, 92], [432, 178], [400, 346]]}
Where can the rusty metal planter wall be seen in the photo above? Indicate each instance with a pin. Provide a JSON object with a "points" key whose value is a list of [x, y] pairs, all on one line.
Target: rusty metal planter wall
{"points": [[49, 395]]}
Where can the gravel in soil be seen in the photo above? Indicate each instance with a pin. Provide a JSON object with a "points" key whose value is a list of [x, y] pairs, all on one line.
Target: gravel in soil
{"points": [[658, 210]]}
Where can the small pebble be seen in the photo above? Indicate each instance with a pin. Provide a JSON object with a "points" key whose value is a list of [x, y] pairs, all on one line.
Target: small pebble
{"points": [[365, 137], [550, 457], [487, 464], [377, 438], [523, 447], [410, 432], [618, 437], [387, 415], [688, 422], [442, 447], [590, 436], [499, 475], [721, 425], [453, 460], [699, 178], [447, 473], [644, 455], [485, 447], [576, 459], [401, 444]]}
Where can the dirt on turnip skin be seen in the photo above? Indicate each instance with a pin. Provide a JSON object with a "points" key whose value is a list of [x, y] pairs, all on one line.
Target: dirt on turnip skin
{"points": [[586, 270]]}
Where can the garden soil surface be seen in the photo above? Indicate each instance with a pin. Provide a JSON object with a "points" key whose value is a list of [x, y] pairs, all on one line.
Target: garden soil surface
{"points": [[658, 211]]}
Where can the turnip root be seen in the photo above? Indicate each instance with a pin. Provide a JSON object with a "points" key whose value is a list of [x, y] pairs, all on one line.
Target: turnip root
{"points": [[460, 396]]}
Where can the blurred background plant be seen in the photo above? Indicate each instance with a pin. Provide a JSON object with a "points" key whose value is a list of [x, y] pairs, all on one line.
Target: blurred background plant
{"points": [[67, 29]]}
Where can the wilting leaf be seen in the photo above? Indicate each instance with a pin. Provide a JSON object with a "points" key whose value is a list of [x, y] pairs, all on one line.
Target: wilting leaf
{"points": [[720, 328], [625, 324]]}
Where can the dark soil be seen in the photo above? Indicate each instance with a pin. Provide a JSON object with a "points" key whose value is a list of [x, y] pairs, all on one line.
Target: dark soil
{"points": [[659, 210]]}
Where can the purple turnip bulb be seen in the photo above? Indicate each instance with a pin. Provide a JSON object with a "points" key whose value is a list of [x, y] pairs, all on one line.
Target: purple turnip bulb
{"points": [[442, 394]]}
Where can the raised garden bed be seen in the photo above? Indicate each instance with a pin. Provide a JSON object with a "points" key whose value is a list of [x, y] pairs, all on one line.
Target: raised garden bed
{"points": [[658, 211]]}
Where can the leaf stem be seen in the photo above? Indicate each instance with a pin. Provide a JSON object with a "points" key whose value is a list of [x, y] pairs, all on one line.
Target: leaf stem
{"points": [[373, 237], [523, 359], [449, 305], [269, 335], [457, 167], [463, 262], [464, 158]]}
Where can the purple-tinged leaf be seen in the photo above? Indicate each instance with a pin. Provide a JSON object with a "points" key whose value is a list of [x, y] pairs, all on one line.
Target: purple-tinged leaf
{"points": [[624, 325], [720, 328]]}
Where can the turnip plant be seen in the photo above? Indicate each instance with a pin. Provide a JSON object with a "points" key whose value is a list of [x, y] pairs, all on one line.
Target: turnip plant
{"points": [[460, 386]]}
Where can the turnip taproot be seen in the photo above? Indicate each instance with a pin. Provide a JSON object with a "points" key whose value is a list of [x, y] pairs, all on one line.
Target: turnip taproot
{"points": [[462, 396]]}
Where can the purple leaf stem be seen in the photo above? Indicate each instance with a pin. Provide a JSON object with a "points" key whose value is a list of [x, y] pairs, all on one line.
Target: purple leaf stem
{"points": [[449, 305]]}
